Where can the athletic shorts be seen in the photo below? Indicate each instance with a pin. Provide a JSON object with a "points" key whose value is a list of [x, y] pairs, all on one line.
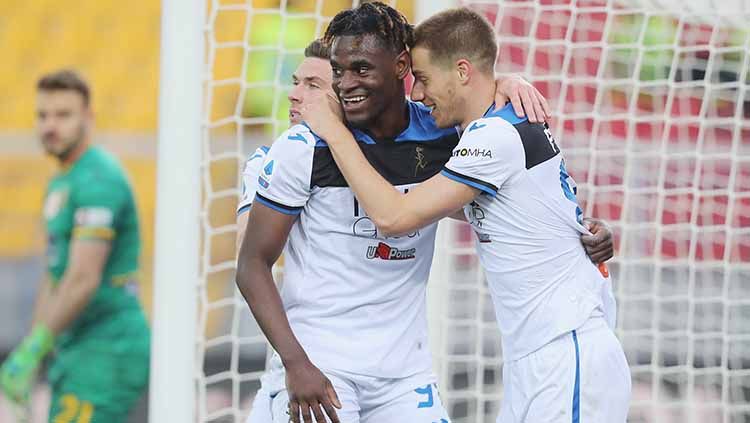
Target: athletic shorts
{"points": [[579, 377], [364, 399], [95, 386]]}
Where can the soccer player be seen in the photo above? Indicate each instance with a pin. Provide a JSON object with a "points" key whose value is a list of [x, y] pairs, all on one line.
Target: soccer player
{"points": [[563, 362], [352, 302], [87, 310]]}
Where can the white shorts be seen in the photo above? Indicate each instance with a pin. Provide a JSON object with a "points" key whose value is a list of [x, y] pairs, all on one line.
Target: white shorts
{"points": [[579, 377], [364, 399]]}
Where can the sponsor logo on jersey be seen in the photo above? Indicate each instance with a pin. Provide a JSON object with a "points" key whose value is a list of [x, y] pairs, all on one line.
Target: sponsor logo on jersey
{"points": [[54, 203], [472, 152], [94, 216], [384, 251]]}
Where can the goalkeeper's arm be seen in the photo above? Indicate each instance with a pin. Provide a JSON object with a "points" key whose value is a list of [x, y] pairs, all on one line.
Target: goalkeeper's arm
{"points": [[78, 284], [55, 310]]}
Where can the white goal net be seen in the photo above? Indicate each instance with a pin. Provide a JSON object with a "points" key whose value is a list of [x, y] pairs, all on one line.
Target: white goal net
{"points": [[651, 107]]}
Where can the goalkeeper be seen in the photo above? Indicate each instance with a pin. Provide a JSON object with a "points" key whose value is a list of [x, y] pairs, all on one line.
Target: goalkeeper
{"points": [[87, 311]]}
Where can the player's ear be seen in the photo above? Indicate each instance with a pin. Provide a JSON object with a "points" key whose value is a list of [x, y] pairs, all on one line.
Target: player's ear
{"points": [[463, 70], [403, 64]]}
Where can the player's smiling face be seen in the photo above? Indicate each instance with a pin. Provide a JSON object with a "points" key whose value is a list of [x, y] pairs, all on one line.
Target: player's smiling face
{"points": [[311, 75], [435, 87], [62, 121], [365, 77]]}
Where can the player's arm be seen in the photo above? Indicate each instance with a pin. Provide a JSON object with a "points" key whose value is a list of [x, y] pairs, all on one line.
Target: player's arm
{"points": [[525, 98], [241, 228], [261, 247], [393, 212], [282, 191], [42, 300], [79, 283], [458, 215]]}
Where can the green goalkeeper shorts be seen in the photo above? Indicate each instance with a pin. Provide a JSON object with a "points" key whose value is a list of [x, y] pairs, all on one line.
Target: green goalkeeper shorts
{"points": [[96, 386]]}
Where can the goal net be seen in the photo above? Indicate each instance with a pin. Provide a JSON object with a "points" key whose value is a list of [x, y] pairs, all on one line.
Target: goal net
{"points": [[652, 111]]}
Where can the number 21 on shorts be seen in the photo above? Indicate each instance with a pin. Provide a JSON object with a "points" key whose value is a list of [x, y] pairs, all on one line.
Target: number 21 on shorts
{"points": [[73, 408]]}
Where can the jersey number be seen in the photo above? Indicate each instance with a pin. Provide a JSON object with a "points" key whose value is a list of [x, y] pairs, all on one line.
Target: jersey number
{"points": [[551, 140], [72, 407]]}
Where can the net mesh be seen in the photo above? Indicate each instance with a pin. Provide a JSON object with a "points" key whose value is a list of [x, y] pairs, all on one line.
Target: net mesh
{"points": [[652, 112], [651, 108]]}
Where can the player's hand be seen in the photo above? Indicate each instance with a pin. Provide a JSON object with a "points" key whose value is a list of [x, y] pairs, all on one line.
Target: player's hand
{"points": [[322, 112], [310, 394], [18, 371], [599, 245], [525, 98]]}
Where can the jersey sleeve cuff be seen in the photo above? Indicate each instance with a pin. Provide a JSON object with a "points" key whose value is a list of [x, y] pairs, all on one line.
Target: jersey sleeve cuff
{"points": [[485, 187], [244, 208], [87, 232], [279, 207]]}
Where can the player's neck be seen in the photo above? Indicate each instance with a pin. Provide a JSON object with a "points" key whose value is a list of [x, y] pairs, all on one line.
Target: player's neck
{"points": [[74, 154], [391, 123], [482, 96]]}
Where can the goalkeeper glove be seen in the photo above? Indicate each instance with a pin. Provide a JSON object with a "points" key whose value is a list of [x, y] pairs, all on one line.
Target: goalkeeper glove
{"points": [[18, 371]]}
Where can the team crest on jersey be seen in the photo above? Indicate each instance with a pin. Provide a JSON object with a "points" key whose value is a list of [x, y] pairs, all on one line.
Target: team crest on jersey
{"points": [[54, 203], [384, 251], [419, 158]]}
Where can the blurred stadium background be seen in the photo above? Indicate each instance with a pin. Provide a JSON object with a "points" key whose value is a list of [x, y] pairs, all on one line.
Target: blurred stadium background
{"points": [[652, 108]]}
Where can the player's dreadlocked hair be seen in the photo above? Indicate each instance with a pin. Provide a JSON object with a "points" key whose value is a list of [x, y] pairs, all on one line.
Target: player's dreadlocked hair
{"points": [[376, 18]]}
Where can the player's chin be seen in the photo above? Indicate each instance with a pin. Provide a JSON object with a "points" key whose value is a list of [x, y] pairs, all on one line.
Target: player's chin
{"points": [[357, 119], [294, 119], [442, 121]]}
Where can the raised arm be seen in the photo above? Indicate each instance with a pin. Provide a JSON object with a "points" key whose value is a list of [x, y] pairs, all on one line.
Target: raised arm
{"points": [[393, 212], [525, 98]]}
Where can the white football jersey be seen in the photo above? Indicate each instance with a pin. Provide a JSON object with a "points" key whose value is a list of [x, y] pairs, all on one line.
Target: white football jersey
{"points": [[528, 226], [354, 299], [250, 179]]}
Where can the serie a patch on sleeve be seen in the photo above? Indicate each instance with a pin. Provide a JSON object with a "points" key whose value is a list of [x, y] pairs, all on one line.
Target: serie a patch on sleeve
{"points": [[93, 217]]}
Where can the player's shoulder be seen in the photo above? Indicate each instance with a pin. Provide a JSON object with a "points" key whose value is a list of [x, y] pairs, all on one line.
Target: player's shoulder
{"points": [[97, 168], [256, 158], [422, 126], [502, 119], [298, 137]]}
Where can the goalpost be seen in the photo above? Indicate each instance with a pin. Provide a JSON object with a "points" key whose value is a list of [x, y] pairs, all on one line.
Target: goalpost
{"points": [[651, 107]]}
